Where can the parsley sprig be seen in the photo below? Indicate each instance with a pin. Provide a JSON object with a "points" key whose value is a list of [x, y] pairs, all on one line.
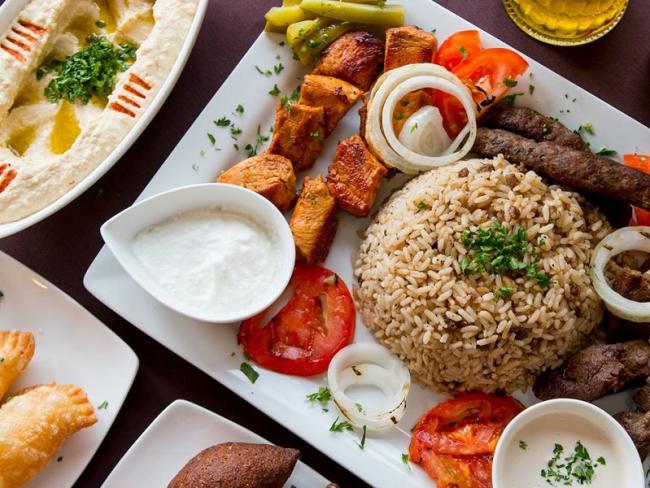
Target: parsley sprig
{"points": [[578, 466], [495, 250], [90, 71], [322, 396]]}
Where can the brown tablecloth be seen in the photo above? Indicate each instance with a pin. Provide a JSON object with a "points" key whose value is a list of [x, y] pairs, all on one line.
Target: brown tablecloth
{"points": [[615, 68]]}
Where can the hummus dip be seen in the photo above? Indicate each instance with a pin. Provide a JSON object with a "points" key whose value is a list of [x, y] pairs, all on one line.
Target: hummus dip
{"points": [[48, 144]]}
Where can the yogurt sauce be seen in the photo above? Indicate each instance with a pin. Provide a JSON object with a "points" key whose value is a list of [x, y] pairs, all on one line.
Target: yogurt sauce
{"points": [[210, 260], [533, 446]]}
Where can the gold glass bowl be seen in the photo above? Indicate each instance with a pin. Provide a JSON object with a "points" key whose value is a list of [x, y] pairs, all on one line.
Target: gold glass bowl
{"points": [[566, 22]]}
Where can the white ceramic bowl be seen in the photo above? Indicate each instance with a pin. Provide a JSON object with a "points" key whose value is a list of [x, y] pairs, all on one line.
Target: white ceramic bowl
{"points": [[629, 469], [119, 232]]}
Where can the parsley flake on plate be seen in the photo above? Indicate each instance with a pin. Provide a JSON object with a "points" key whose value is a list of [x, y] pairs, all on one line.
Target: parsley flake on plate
{"points": [[322, 396], [340, 426], [249, 372]]}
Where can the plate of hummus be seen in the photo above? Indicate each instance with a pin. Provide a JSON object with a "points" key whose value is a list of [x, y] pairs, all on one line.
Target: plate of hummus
{"points": [[81, 81]]}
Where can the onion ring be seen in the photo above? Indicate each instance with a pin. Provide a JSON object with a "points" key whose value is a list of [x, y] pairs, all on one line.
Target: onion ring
{"points": [[389, 90], [369, 364], [625, 239]]}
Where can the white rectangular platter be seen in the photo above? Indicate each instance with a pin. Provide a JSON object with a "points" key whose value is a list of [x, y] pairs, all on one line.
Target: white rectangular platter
{"points": [[195, 160], [179, 433], [72, 346], [9, 10]]}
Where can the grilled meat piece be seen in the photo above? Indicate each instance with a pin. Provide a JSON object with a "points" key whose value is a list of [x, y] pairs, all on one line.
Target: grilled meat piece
{"points": [[596, 371], [575, 169], [408, 45], [238, 465], [354, 177], [531, 124], [630, 283], [269, 175], [355, 57], [637, 424], [313, 222], [334, 95], [642, 397], [298, 134]]}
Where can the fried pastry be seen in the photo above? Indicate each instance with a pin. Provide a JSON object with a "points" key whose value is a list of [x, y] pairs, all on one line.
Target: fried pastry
{"points": [[34, 424], [16, 351]]}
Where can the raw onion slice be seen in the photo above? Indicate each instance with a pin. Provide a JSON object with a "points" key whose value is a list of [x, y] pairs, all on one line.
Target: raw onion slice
{"points": [[369, 364], [389, 89], [424, 132], [625, 239]]}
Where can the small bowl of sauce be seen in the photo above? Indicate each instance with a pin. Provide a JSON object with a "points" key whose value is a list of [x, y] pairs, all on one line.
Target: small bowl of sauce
{"points": [[213, 252], [565, 442]]}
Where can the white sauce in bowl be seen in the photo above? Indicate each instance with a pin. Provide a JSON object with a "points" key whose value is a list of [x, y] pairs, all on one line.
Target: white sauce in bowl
{"points": [[210, 260], [531, 448]]}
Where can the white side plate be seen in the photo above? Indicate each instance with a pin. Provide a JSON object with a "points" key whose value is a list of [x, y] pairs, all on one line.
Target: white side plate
{"points": [[179, 433], [8, 11], [209, 348], [72, 346]]}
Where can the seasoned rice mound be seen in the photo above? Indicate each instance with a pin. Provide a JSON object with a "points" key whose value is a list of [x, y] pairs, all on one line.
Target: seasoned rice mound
{"points": [[453, 331]]}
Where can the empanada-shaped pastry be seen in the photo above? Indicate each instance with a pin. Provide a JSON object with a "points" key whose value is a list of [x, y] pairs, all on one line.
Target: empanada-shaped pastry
{"points": [[34, 424], [16, 351]]}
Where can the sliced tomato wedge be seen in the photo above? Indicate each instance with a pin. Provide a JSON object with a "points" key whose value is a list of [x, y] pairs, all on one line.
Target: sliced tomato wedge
{"points": [[641, 162], [455, 441], [457, 48], [486, 73], [317, 321]]}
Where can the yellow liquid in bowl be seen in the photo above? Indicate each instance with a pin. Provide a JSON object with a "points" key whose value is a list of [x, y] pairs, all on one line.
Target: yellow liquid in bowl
{"points": [[566, 22]]}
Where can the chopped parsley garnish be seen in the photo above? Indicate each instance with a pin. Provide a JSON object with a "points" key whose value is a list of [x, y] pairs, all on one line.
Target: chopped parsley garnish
{"points": [[278, 67], [523, 445], [531, 89], [288, 101], [577, 467], [340, 426], [235, 131], [250, 150], [312, 43], [359, 407], [495, 250], [331, 280], [362, 444], [509, 82], [421, 204], [433, 31], [322, 396], [463, 51], [239, 109], [275, 91], [504, 292], [213, 140], [90, 71], [195, 167], [414, 128], [405, 460], [222, 122], [587, 127], [604, 151], [103, 405], [267, 72], [101, 24], [510, 99], [236, 146], [250, 373]]}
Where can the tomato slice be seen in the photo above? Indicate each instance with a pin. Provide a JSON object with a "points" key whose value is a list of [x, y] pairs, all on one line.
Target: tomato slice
{"points": [[317, 321], [485, 73], [457, 48], [642, 163], [455, 440]]}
